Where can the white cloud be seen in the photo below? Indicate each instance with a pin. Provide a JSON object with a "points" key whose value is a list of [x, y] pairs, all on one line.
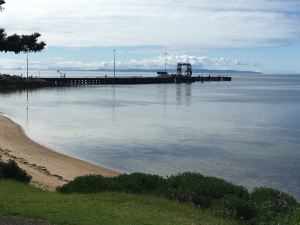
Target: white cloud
{"points": [[10, 63], [150, 63], [197, 24]]}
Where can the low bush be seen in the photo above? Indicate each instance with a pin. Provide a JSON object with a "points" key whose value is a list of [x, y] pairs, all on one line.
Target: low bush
{"points": [[186, 187], [139, 183], [296, 217], [233, 207], [90, 184], [136, 183], [11, 170], [272, 206], [201, 190]]}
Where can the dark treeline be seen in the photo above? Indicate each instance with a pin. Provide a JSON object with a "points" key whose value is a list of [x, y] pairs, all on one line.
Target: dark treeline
{"points": [[8, 83]]}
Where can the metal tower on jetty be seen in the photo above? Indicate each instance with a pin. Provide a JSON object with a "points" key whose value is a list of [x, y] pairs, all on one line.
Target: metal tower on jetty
{"points": [[188, 72]]}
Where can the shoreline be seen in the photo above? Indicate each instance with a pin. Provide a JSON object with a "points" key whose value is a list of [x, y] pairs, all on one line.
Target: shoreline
{"points": [[49, 169]]}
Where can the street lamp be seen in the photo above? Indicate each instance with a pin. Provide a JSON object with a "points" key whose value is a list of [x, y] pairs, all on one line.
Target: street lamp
{"points": [[114, 63]]}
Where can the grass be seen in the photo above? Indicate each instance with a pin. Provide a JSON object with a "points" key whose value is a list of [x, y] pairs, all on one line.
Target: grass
{"points": [[23, 201]]}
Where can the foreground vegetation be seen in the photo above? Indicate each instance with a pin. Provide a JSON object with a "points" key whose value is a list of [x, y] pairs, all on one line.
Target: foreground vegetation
{"points": [[144, 199], [8, 82], [264, 206]]}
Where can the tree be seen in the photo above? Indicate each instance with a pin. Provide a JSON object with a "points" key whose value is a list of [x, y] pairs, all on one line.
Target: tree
{"points": [[19, 43]]}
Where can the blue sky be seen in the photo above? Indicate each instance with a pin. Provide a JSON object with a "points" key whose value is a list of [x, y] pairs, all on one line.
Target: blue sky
{"points": [[257, 35]]}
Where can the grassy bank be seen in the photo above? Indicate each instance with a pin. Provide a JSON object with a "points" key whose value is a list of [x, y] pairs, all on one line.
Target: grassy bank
{"points": [[262, 206], [23, 201]]}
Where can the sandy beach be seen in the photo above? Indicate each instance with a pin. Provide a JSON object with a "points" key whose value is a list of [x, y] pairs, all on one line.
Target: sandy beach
{"points": [[48, 168]]}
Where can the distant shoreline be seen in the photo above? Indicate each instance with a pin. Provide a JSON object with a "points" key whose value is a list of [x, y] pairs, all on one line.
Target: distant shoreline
{"points": [[48, 168], [154, 71]]}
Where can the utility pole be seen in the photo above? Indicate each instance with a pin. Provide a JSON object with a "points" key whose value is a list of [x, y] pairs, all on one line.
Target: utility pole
{"points": [[114, 63]]}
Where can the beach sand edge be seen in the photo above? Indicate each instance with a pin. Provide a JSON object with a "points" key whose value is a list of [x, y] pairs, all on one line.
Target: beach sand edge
{"points": [[48, 168]]}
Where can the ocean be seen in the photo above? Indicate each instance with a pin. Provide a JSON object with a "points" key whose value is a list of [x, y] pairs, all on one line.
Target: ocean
{"points": [[246, 131]]}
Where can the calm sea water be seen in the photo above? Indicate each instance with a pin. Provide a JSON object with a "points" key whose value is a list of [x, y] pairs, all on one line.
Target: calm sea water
{"points": [[246, 131]]}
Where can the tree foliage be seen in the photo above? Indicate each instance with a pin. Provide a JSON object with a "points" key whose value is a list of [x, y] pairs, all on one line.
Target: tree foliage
{"points": [[1, 3], [19, 43]]}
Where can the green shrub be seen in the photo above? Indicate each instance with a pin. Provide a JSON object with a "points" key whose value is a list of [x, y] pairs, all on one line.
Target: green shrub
{"points": [[11, 170], [201, 190], [1, 172], [272, 207], [233, 207], [90, 184], [296, 217], [139, 183], [183, 187], [136, 183], [186, 187]]}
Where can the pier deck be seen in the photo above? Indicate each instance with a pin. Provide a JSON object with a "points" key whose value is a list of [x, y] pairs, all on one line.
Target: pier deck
{"points": [[131, 80]]}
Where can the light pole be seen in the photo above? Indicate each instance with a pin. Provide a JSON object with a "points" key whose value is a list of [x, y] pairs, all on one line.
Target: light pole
{"points": [[27, 64], [165, 61], [114, 63], [27, 50]]}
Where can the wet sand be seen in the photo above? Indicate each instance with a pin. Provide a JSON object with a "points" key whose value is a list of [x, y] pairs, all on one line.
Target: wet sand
{"points": [[48, 168]]}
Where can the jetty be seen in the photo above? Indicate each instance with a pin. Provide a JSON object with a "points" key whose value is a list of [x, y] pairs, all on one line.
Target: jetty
{"points": [[162, 78], [79, 81]]}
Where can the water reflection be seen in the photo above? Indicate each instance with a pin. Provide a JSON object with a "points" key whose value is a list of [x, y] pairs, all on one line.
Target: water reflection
{"points": [[27, 109], [186, 94], [165, 98], [114, 101], [178, 94]]}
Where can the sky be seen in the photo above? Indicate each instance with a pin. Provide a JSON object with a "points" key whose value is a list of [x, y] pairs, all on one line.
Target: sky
{"points": [[256, 35]]}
